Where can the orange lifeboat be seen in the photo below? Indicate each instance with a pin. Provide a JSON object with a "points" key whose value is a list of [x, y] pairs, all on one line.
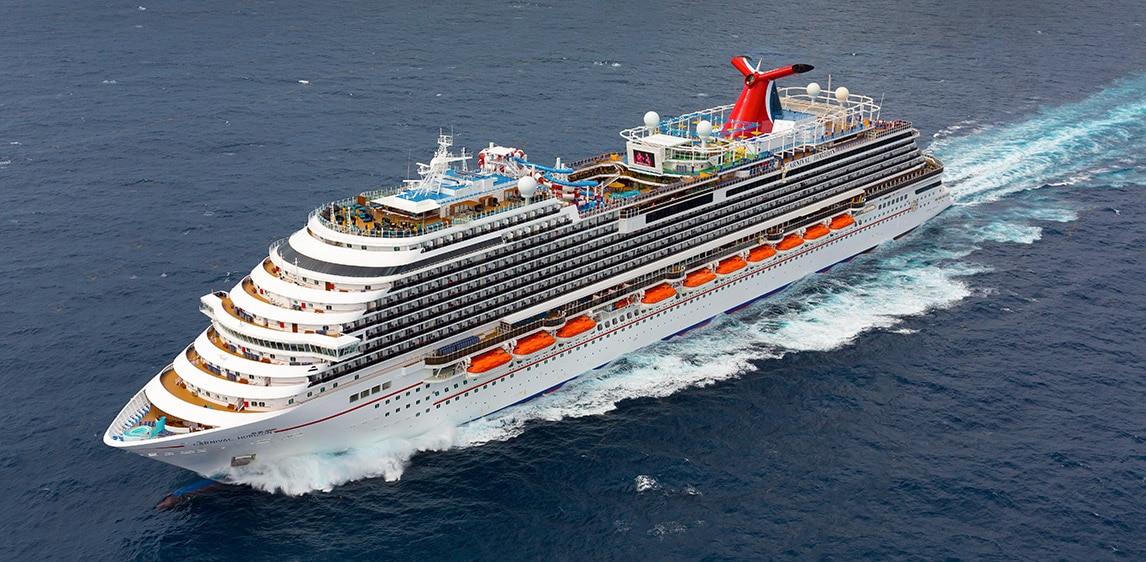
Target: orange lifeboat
{"points": [[761, 253], [533, 343], [843, 221], [731, 264], [622, 303], [576, 326], [790, 241], [815, 231], [658, 294], [489, 360], [699, 277]]}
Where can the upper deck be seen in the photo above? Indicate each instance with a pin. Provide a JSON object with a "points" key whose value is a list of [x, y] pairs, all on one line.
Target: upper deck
{"points": [[711, 140], [660, 156]]}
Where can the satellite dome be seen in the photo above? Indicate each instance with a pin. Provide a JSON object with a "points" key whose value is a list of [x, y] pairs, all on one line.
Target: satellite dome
{"points": [[813, 90], [526, 186], [704, 129], [652, 119], [842, 94]]}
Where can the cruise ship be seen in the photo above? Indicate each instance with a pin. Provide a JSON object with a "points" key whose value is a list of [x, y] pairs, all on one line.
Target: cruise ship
{"points": [[488, 281]]}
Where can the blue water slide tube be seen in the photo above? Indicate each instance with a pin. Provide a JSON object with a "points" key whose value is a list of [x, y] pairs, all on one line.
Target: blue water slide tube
{"points": [[582, 183], [542, 168]]}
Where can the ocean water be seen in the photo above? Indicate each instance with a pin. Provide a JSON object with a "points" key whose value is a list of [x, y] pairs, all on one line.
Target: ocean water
{"points": [[974, 390]]}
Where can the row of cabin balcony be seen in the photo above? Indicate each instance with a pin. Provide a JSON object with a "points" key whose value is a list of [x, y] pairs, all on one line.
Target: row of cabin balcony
{"points": [[285, 302], [298, 278], [420, 287], [218, 339], [224, 373], [243, 326], [234, 403], [293, 277], [333, 331]]}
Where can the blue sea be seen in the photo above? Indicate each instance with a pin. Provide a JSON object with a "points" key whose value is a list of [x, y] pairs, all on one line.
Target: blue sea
{"points": [[976, 390]]}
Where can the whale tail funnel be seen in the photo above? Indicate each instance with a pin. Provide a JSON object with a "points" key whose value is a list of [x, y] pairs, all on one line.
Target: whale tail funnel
{"points": [[758, 105]]}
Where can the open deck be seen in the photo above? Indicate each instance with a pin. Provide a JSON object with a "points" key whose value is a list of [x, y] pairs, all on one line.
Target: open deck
{"points": [[173, 383]]}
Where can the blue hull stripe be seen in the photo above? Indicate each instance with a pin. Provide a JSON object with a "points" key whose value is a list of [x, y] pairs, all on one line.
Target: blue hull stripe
{"points": [[740, 307], [700, 324], [524, 400]]}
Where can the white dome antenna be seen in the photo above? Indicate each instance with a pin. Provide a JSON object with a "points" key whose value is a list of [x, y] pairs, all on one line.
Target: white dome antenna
{"points": [[704, 130], [527, 186], [652, 120]]}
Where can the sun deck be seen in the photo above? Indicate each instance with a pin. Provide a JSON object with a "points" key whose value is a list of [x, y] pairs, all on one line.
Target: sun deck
{"points": [[376, 220]]}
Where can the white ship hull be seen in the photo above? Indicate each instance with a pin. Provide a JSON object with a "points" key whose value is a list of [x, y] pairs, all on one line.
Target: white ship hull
{"points": [[416, 402]]}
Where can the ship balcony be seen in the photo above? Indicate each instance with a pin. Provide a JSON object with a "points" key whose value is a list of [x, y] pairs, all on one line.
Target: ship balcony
{"points": [[206, 381], [242, 377], [272, 279], [166, 391], [213, 349], [256, 310], [238, 325], [229, 351]]}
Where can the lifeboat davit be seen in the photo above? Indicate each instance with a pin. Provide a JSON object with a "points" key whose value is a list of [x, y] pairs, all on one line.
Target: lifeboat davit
{"points": [[533, 343], [790, 241], [731, 264], [576, 326], [815, 231], [658, 294], [699, 277], [489, 360], [843, 221], [761, 253]]}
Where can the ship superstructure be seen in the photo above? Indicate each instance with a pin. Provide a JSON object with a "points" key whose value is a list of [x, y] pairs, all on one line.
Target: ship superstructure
{"points": [[468, 290]]}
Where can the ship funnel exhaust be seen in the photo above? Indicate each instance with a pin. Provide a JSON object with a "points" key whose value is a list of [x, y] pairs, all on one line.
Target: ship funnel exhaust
{"points": [[758, 105]]}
